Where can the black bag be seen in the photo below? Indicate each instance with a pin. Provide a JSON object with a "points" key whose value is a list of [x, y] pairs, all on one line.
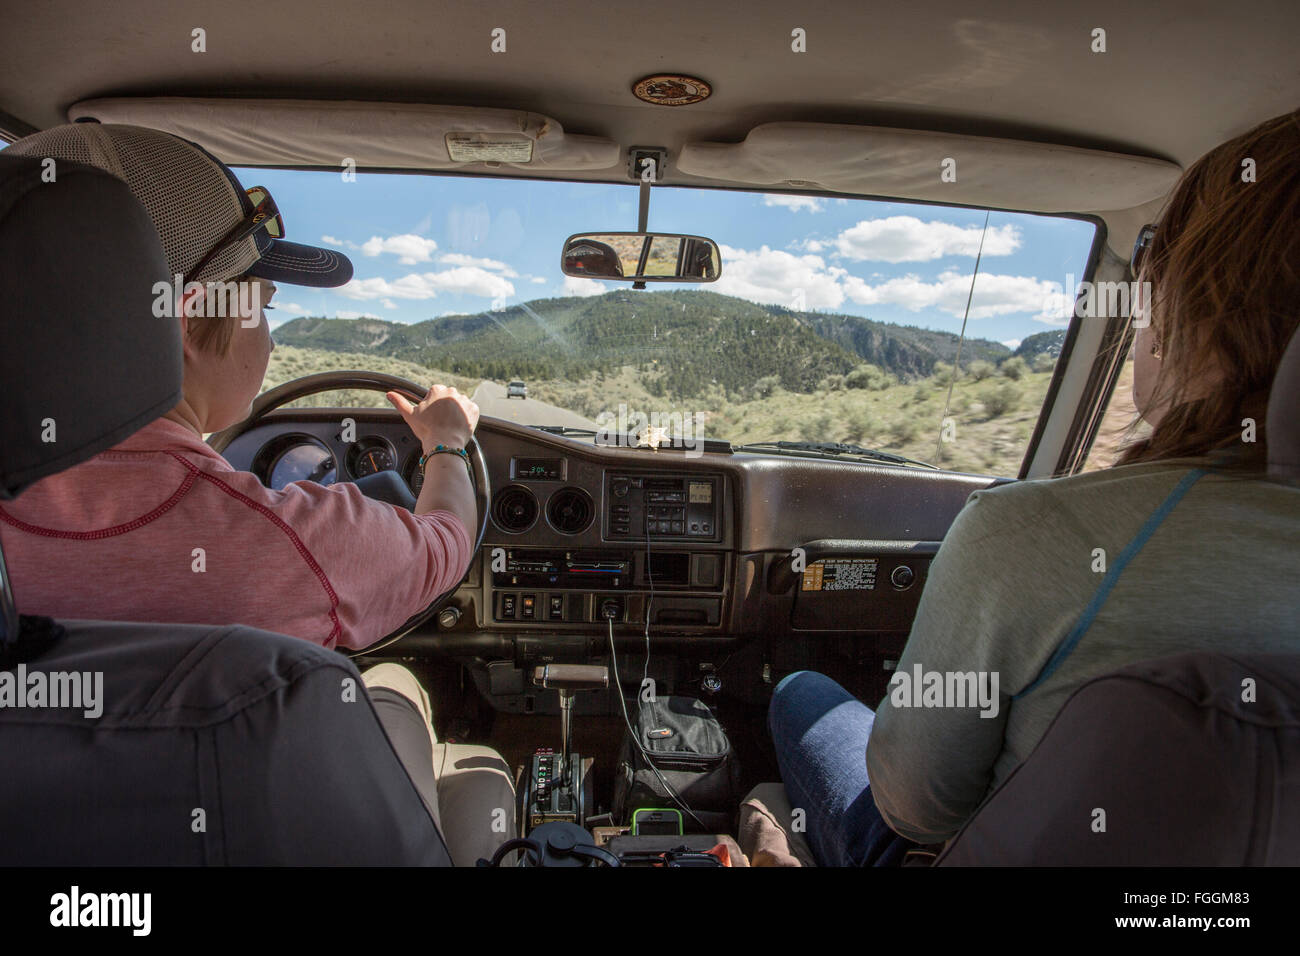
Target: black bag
{"points": [[691, 752]]}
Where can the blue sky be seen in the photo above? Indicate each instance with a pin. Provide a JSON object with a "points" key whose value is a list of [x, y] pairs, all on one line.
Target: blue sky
{"points": [[425, 246]]}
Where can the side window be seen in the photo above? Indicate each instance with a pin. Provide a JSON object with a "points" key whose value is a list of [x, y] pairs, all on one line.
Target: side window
{"points": [[1119, 425]]}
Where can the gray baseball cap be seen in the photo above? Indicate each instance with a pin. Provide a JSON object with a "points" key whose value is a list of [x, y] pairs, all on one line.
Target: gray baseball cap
{"points": [[194, 200]]}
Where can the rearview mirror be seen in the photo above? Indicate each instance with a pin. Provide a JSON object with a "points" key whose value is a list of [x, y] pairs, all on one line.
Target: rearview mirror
{"points": [[641, 257]]}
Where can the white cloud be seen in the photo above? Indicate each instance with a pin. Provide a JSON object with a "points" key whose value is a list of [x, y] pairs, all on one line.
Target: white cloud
{"points": [[994, 295], [388, 304], [494, 265], [540, 280], [293, 307], [331, 241], [908, 239], [464, 280], [774, 277], [348, 314], [793, 203], [575, 285], [1012, 343], [408, 248]]}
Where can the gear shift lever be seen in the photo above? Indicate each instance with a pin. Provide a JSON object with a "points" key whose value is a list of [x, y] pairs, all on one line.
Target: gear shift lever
{"points": [[568, 679], [558, 788]]}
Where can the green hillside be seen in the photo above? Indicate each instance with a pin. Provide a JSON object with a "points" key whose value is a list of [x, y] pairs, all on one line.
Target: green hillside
{"points": [[682, 342], [752, 372], [288, 363]]}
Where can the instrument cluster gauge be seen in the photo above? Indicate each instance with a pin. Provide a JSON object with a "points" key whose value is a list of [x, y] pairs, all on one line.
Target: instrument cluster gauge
{"points": [[291, 458], [370, 455]]}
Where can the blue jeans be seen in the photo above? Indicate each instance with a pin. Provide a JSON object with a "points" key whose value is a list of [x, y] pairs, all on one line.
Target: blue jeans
{"points": [[820, 731]]}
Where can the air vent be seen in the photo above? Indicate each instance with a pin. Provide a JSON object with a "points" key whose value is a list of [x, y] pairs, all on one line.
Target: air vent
{"points": [[514, 509], [570, 510]]}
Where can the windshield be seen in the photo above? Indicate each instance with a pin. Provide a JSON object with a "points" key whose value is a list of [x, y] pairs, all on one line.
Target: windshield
{"points": [[834, 320]]}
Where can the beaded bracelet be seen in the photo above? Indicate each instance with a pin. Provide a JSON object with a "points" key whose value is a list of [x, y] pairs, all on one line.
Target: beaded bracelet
{"points": [[448, 450]]}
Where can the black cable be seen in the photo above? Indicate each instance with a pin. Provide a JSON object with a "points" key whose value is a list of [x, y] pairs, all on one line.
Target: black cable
{"points": [[636, 738], [518, 843], [650, 577]]}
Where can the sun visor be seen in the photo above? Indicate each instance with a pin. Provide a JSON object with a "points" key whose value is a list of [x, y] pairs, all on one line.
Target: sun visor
{"points": [[936, 167], [252, 132]]}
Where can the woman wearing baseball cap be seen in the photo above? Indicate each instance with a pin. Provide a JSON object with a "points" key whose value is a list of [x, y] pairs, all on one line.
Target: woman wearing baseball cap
{"points": [[120, 536]]}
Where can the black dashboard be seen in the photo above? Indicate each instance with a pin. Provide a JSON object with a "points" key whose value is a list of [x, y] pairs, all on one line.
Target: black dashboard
{"points": [[698, 552]]}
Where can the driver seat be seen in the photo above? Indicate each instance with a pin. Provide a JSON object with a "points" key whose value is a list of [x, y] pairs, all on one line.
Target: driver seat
{"points": [[143, 744]]}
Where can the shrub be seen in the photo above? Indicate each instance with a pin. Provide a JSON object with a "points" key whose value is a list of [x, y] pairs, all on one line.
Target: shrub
{"points": [[1014, 367], [904, 430], [858, 427], [942, 374], [1044, 362], [765, 387], [868, 376], [831, 383], [1000, 399], [818, 429], [980, 370]]}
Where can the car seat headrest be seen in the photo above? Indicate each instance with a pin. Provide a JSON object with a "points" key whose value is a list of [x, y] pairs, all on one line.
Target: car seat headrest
{"points": [[1283, 425], [86, 362]]}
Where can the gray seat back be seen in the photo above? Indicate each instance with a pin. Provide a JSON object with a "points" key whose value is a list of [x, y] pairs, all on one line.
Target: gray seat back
{"points": [[194, 745], [1191, 760]]}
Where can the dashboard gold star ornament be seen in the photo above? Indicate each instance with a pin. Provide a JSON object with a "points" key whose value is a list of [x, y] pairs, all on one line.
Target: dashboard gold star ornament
{"points": [[653, 437]]}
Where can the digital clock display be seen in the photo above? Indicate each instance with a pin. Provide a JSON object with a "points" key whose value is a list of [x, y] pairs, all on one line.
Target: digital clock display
{"points": [[539, 469]]}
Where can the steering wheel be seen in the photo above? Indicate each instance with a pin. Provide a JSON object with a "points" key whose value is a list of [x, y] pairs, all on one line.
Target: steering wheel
{"points": [[282, 395]]}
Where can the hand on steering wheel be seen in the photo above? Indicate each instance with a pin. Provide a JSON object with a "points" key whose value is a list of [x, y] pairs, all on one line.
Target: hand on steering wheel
{"points": [[444, 416]]}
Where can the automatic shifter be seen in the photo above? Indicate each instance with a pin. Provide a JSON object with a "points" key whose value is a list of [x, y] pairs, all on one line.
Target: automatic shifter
{"points": [[558, 783]]}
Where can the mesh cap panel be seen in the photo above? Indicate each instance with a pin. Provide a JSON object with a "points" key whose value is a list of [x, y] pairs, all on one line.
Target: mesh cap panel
{"points": [[189, 198]]}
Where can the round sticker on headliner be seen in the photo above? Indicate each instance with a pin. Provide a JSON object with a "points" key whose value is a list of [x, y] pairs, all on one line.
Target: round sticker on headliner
{"points": [[670, 89]]}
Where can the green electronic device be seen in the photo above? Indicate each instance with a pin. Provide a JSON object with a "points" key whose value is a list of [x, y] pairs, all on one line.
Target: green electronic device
{"points": [[656, 821]]}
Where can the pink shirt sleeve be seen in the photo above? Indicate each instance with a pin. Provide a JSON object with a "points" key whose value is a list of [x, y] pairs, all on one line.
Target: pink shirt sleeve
{"points": [[383, 562]]}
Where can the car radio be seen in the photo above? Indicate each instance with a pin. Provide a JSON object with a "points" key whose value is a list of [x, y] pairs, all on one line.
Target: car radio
{"points": [[683, 507], [540, 567]]}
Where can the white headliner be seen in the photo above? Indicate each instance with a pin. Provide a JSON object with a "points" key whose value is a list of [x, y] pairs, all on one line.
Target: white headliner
{"points": [[1178, 77]]}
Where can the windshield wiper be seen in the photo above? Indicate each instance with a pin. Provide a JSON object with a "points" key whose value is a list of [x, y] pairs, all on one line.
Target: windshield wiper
{"points": [[834, 449], [566, 430]]}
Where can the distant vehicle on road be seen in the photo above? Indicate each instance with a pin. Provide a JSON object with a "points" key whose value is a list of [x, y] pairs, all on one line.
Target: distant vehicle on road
{"points": [[516, 390]]}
